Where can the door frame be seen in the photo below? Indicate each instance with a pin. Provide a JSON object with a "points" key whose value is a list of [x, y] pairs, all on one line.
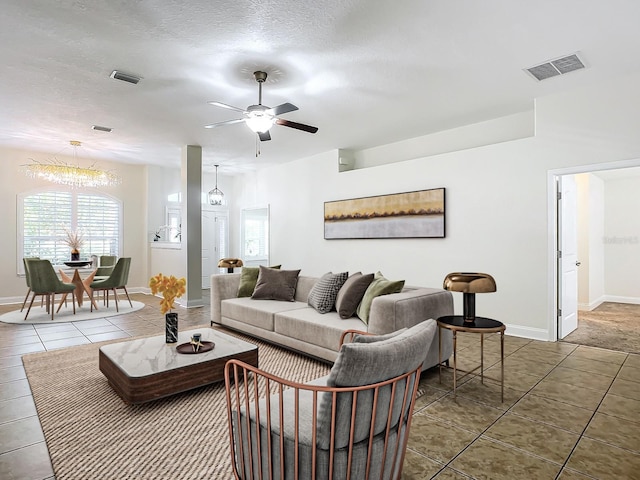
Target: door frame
{"points": [[552, 232]]}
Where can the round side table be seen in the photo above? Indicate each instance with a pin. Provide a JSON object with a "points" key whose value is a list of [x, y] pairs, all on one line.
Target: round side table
{"points": [[481, 325]]}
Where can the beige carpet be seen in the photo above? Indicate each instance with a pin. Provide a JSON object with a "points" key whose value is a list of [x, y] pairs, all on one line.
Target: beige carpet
{"points": [[614, 326], [92, 434]]}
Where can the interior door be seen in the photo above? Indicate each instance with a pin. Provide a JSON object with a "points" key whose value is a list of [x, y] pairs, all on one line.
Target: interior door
{"points": [[567, 256], [215, 241]]}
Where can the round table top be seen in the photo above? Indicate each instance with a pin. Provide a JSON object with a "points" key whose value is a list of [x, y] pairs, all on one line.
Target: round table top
{"points": [[480, 324]]}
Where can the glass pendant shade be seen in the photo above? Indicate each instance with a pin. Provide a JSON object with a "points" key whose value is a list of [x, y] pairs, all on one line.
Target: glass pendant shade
{"points": [[215, 196]]}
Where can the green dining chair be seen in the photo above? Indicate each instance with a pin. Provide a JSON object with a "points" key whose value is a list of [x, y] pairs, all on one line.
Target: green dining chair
{"points": [[27, 279], [118, 279], [46, 283], [105, 268]]}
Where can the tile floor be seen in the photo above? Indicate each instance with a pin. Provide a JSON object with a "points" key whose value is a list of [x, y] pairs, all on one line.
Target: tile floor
{"points": [[570, 412], [23, 451]]}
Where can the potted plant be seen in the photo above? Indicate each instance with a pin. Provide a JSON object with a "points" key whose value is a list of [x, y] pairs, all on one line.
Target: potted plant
{"points": [[171, 288]]}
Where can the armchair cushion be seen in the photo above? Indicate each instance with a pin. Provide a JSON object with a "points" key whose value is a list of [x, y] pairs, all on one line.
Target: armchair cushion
{"points": [[361, 364], [360, 338]]}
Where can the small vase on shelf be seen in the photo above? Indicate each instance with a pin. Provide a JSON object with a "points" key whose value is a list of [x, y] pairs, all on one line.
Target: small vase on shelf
{"points": [[171, 327], [75, 254]]}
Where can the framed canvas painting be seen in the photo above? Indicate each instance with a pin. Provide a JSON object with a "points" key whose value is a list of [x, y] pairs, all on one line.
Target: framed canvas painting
{"points": [[418, 214]]}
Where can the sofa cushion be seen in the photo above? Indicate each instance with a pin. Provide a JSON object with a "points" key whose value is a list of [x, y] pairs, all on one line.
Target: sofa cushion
{"points": [[275, 284], [351, 293], [322, 297], [306, 325], [259, 314], [248, 279], [379, 286]]}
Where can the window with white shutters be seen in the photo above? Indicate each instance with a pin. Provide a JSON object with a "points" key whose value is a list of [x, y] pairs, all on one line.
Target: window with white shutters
{"points": [[45, 216]]}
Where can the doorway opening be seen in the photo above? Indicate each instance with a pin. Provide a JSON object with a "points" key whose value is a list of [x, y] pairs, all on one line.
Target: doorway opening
{"points": [[577, 274]]}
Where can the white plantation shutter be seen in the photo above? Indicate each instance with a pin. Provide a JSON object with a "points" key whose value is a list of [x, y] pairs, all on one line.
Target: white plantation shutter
{"points": [[99, 218], [45, 215]]}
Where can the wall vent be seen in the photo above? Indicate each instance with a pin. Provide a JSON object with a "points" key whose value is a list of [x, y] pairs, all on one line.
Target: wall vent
{"points": [[102, 129], [125, 77], [553, 68]]}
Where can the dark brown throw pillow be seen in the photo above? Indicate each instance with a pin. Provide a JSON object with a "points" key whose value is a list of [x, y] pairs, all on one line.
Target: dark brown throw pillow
{"points": [[351, 293], [248, 279], [276, 284]]}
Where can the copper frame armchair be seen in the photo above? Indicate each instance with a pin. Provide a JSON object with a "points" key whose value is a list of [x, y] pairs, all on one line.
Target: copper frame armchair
{"points": [[279, 429]]}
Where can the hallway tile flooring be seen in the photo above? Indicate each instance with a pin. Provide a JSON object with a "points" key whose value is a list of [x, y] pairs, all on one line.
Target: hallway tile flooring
{"points": [[570, 412]]}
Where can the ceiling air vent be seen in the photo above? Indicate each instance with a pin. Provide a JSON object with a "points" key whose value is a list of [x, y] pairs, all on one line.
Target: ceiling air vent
{"points": [[102, 129], [556, 67], [125, 77]]}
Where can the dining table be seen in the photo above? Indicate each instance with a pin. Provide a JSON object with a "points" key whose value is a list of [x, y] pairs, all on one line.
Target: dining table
{"points": [[83, 285]]}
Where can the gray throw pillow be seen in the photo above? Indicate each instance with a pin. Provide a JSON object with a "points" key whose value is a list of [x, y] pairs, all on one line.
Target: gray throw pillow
{"points": [[248, 279], [322, 296], [275, 284], [351, 294], [368, 363], [379, 286]]}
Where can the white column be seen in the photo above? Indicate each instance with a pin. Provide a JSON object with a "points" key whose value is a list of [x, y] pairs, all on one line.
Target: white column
{"points": [[192, 222]]}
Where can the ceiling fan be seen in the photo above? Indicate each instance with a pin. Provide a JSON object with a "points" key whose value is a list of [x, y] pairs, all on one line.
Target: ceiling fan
{"points": [[260, 118]]}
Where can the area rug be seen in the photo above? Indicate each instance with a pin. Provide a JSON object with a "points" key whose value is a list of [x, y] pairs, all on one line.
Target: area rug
{"points": [[91, 433], [39, 314], [614, 326]]}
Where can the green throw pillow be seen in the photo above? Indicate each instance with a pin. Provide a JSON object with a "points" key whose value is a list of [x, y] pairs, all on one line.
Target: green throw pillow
{"points": [[248, 280], [379, 286]]}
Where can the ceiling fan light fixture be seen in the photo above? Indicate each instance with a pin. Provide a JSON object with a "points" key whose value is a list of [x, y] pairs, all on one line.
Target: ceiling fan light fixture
{"points": [[259, 122]]}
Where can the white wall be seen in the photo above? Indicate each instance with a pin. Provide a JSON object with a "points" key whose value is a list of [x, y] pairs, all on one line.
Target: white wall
{"points": [[622, 239], [590, 246], [497, 204], [132, 193], [597, 258]]}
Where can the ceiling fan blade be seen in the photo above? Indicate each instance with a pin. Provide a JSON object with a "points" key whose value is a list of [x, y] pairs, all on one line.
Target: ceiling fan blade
{"points": [[264, 136], [284, 108], [226, 122], [297, 126], [224, 105]]}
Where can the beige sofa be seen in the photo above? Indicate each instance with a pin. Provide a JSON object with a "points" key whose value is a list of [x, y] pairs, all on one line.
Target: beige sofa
{"points": [[297, 326]]}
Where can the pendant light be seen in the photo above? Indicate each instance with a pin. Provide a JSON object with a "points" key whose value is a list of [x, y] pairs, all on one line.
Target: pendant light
{"points": [[216, 196]]}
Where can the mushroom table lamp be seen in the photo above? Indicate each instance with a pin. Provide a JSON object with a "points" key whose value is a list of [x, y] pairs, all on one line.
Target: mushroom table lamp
{"points": [[229, 263], [469, 283]]}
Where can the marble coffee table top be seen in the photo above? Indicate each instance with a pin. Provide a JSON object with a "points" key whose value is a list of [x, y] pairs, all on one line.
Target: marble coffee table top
{"points": [[151, 355]]}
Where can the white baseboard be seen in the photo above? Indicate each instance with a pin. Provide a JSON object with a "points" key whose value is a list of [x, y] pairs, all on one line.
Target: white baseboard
{"points": [[619, 299], [527, 332], [592, 305]]}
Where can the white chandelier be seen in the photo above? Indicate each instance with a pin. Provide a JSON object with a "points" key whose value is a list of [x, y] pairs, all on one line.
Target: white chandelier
{"points": [[62, 173]]}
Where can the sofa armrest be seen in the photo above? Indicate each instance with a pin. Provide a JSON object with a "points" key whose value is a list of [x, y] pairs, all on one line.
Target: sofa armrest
{"points": [[223, 286], [406, 309]]}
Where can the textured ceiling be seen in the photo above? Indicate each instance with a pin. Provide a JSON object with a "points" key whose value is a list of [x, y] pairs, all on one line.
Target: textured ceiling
{"points": [[365, 72]]}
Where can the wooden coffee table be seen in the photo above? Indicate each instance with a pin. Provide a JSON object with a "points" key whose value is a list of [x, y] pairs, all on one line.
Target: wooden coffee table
{"points": [[148, 368]]}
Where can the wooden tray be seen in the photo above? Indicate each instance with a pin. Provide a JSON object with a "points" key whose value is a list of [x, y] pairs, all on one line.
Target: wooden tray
{"points": [[187, 348]]}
